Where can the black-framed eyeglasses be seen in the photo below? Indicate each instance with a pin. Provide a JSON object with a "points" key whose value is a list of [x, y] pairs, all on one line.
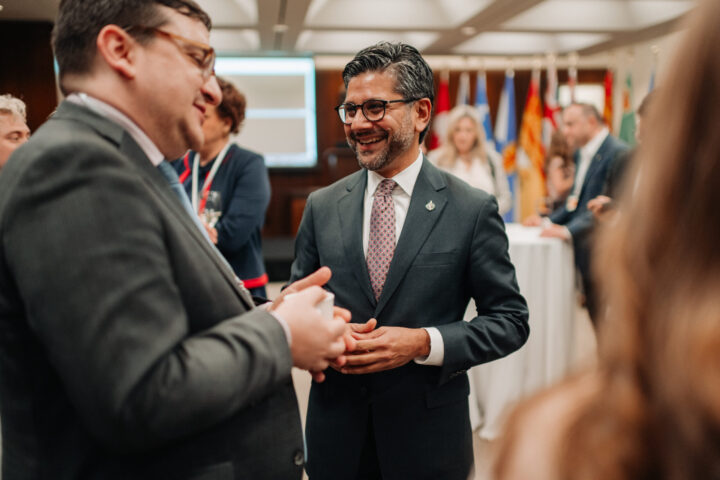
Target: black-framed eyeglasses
{"points": [[201, 53], [373, 109]]}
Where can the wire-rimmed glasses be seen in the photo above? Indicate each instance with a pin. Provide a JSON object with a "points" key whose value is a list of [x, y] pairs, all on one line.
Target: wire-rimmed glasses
{"points": [[373, 109], [201, 53]]}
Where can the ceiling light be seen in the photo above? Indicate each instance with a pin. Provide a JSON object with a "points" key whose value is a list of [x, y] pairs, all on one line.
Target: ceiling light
{"points": [[468, 31], [280, 28]]}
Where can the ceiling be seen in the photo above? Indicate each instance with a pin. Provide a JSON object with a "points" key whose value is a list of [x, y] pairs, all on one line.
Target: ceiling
{"points": [[437, 27]]}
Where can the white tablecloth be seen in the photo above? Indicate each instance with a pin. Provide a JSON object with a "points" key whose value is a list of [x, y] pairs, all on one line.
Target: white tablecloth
{"points": [[546, 276]]}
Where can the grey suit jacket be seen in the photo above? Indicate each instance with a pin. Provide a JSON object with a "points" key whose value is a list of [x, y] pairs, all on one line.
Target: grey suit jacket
{"points": [[126, 348], [444, 256]]}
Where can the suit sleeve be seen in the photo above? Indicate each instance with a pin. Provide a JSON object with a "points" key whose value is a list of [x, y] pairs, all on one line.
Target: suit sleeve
{"points": [[88, 249], [307, 259], [501, 325], [245, 212]]}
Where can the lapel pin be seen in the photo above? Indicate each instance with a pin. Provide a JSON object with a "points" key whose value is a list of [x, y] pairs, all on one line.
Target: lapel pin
{"points": [[430, 206]]}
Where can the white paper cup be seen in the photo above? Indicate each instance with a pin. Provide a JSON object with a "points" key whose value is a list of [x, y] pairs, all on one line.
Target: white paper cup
{"points": [[325, 306]]}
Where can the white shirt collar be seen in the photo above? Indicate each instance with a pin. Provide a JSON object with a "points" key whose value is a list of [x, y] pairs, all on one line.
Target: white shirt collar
{"points": [[405, 179], [114, 115], [591, 147]]}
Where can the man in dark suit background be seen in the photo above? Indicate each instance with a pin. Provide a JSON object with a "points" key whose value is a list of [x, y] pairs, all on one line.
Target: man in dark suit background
{"points": [[127, 347], [408, 246], [595, 150]]}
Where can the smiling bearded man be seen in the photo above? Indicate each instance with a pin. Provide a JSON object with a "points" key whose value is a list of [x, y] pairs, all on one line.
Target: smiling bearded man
{"points": [[408, 245]]}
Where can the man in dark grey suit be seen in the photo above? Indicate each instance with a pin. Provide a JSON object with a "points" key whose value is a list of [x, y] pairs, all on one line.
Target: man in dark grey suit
{"points": [[408, 246], [595, 150], [128, 348]]}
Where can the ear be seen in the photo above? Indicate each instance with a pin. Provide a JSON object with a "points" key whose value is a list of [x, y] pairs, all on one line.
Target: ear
{"points": [[227, 123], [423, 108], [118, 49]]}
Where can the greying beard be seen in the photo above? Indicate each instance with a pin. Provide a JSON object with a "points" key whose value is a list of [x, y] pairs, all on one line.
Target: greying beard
{"points": [[399, 143]]}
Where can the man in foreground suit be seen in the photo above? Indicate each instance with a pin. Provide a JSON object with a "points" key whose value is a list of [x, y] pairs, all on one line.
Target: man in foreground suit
{"points": [[595, 150], [399, 408], [128, 348]]}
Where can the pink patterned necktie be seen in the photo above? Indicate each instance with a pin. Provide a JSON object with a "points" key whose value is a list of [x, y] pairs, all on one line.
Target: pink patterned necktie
{"points": [[381, 245]]}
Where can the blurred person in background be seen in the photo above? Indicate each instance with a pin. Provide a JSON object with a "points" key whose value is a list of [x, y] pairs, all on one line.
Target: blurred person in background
{"points": [[595, 150], [560, 171], [466, 154], [616, 172], [651, 407], [241, 178], [13, 126]]}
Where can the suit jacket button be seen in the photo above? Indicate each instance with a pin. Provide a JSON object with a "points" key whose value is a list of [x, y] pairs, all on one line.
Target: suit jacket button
{"points": [[364, 391], [299, 458]]}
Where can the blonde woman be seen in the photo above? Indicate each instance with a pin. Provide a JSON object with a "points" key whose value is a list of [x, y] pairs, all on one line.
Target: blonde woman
{"points": [[466, 154]]}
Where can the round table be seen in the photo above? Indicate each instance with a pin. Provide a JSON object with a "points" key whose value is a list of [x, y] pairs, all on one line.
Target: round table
{"points": [[546, 277]]}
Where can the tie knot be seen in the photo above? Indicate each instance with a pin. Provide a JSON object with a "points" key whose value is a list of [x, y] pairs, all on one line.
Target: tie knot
{"points": [[386, 187]]}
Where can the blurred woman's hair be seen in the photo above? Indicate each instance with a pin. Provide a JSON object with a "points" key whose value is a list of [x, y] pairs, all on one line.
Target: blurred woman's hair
{"points": [[448, 153], [559, 148], [232, 106], [657, 413]]}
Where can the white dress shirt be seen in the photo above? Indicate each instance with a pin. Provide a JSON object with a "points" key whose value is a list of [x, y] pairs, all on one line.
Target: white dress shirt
{"points": [[116, 116], [587, 153], [401, 199]]}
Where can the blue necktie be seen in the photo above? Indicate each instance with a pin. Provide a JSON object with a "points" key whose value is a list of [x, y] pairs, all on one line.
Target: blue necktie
{"points": [[172, 178]]}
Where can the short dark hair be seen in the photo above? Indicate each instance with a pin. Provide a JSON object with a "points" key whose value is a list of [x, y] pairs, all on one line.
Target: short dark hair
{"points": [[232, 106], [79, 22], [413, 76], [589, 110]]}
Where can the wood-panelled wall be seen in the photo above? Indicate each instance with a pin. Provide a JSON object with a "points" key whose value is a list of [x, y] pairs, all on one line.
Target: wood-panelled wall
{"points": [[26, 67]]}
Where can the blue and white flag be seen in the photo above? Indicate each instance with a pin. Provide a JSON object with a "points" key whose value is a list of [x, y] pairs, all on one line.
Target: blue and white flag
{"points": [[506, 137], [481, 104]]}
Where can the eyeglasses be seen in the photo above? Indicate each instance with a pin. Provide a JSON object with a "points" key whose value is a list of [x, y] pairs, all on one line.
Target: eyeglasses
{"points": [[202, 54], [373, 109]]}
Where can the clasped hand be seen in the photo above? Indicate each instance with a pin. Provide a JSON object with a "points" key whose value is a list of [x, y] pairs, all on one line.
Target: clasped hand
{"points": [[384, 348]]}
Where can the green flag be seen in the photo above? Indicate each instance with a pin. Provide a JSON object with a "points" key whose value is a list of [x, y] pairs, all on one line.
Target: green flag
{"points": [[627, 126]]}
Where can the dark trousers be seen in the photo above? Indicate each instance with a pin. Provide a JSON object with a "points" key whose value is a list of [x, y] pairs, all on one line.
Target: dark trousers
{"points": [[369, 468]]}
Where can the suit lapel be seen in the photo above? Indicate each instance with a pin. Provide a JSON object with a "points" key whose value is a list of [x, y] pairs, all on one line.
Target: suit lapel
{"points": [[421, 217], [152, 177], [596, 162], [160, 186], [350, 212]]}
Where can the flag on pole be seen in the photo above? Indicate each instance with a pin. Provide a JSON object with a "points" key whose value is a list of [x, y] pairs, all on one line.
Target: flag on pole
{"points": [[608, 110], [572, 82], [442, 107], [552, 118], [463, 93], [481, 104], [531, 155], [627, 126], [506, 136]]}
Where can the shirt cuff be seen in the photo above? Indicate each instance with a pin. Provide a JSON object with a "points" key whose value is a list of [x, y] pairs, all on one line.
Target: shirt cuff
{"points": [[437, 349], [285, 327]]}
